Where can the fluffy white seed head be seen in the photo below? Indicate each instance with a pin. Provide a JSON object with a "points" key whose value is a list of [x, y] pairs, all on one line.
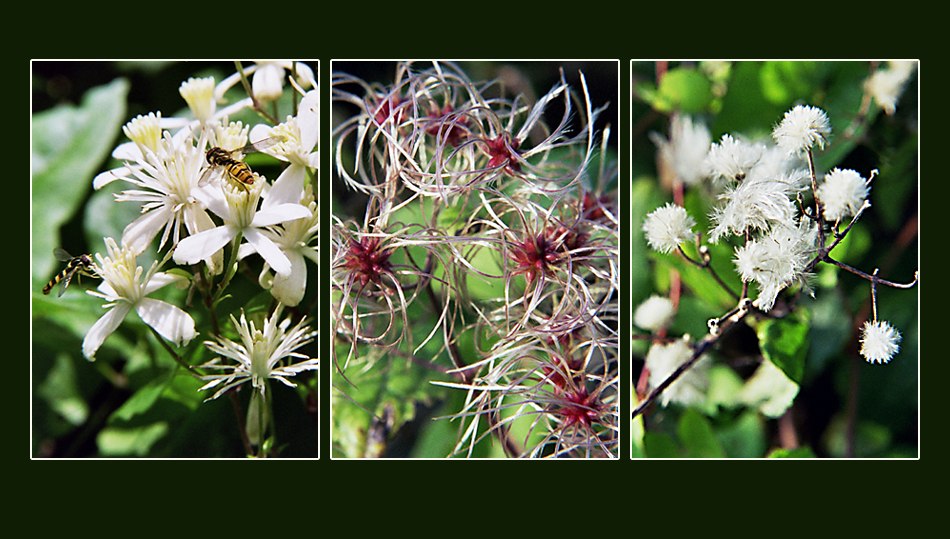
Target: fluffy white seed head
{"points": [[886, 85], [754, 205], [802, 128], [776, 260], [690, 388], [685, 151], [731, 159], [879, 341], [842, 193], [667, 227], [654, 313]]}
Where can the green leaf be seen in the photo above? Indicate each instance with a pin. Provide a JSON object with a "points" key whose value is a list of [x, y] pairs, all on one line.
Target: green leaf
{"points": [[744, 437], [181, 389], [139, 403], [797, 453], [829, 330], [685, 90], [724, 387], [60, 390], [105, 218], [389, 386], [784, 342], [892, 188], [697, 435], [784, 82], [137, 441], [659, 445], [69, 143]]}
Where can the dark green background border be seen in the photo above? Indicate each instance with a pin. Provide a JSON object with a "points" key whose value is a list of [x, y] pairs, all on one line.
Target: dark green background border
{"points": [[439, 497]]}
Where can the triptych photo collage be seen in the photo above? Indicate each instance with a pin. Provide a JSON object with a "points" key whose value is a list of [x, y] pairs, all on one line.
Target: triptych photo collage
{"points": [[475, 259]]}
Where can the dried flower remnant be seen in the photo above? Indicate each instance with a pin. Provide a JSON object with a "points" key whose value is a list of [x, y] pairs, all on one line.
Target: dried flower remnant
{"points": [[367, 260], [487, 223]]}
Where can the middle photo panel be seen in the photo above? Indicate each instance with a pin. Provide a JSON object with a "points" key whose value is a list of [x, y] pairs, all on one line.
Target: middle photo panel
{"points": [[475, 247]]}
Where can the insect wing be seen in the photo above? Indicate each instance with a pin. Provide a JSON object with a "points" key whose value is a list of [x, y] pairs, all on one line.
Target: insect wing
{"points": [[69, 277], [62, 255], [206, 176], [260, 145]]}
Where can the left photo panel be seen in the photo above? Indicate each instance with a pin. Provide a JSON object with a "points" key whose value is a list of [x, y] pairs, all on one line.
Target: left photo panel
{"points": [[474, 260], [174, 289]]}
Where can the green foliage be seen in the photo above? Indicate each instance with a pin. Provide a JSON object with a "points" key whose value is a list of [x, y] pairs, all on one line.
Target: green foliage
{"points": [[69, 144], [697, 436], [784, 342], [682, 89]]}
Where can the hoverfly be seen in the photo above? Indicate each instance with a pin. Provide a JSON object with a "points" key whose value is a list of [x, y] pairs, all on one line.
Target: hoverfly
{"points": [[235, 170], [81, 265]]}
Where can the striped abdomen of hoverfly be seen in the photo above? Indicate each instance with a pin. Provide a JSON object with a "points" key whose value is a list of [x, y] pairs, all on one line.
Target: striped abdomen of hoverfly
{"points": [[81, 264], [236, 171]]}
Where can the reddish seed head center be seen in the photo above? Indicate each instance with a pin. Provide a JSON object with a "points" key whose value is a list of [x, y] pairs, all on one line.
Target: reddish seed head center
{"points": [[385, 109], [536, 255], [452, 129], [367, 260], [500, 151], [578, 408]]}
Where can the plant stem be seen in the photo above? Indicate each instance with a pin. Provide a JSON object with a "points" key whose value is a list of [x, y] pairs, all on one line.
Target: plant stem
{"points": [[872, 278], [236, 406], [230, 271], [701, 348], [178, 359]]}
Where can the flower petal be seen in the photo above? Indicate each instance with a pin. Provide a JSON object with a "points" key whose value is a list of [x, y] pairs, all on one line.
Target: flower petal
{"points": [[103, 327], [140, 232], [308, 120], [269, 251], [128, 151], [105, 178], [279, 213], [289, 289], [202, 245], [211, 196], [169, 321], [159, 280], [287, 188]]}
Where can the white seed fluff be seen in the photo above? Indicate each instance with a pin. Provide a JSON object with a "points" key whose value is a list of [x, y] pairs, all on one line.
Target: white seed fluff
{"points": [[731, 159], [887, 84], [802, 128], [842, 193], [879, 341], [685, 151], [690, 388], [654, 313], [668, 226], [769, 390], [777, 260]]}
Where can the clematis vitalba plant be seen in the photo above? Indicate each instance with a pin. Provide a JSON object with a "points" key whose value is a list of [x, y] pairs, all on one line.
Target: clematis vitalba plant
{"points": [[203, 236]]}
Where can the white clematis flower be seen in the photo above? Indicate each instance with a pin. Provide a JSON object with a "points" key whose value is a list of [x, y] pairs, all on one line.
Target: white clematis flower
{"points": [[124, 287], [295, 240], [238, 209], [260, 354], [297, 140]]}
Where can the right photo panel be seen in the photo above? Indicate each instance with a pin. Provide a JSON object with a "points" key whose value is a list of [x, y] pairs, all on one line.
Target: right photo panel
{"points": [[774, 264]]}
